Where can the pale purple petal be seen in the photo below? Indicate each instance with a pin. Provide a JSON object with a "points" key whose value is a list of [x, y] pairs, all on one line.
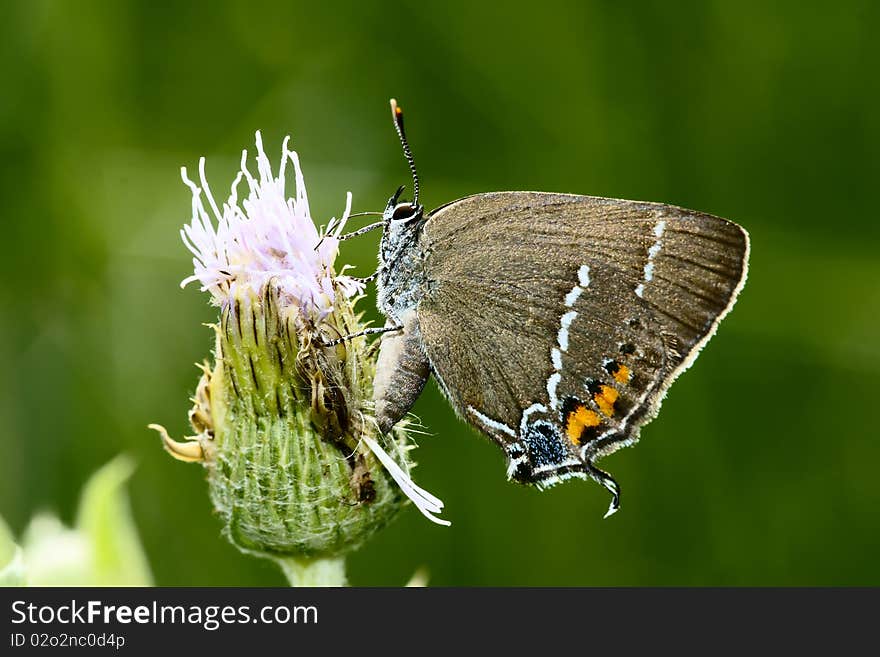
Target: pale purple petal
{"points": [[265, 237]]}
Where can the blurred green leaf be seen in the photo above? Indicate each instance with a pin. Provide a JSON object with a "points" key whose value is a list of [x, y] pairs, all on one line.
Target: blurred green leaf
{"points": [[104, 517], [102, 549], [11, 566], [55, 555]]}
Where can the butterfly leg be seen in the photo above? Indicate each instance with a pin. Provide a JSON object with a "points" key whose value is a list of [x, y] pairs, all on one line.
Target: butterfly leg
{"points": [[602, 477], [361, 231], [367, 279], [369, 331], [348, 236], [401, 373]]}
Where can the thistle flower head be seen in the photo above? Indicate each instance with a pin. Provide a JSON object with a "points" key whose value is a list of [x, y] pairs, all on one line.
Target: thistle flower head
{"points": [[266, 236], [284, 425]]}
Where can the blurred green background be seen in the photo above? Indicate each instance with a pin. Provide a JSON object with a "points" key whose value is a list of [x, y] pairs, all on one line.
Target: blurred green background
{"points": [[763, 466]]}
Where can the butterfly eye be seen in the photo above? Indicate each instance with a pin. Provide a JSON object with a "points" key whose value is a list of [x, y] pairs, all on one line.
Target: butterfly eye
{"points": [[403, 211]]}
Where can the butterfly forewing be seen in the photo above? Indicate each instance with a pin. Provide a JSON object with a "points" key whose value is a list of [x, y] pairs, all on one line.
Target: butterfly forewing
{"points": [[585, 310]]}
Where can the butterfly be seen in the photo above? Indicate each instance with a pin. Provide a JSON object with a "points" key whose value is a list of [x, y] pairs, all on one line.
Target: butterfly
{"points": [[553, 323]]}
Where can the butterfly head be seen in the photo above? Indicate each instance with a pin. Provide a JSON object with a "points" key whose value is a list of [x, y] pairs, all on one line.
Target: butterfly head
{"points": [[402, 221], [400, 211]]}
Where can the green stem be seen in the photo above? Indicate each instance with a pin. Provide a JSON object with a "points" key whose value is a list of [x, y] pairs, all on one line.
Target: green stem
{"points": [[301, 571]]}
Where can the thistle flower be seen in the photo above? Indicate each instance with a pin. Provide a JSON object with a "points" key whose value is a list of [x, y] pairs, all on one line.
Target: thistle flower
{"points": [[269, 238], [297, 468]]}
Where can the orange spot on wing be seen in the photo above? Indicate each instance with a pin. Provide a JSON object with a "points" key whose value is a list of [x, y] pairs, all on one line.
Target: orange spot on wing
{"points": [[578, 420], [605, 399], [623, 374]]}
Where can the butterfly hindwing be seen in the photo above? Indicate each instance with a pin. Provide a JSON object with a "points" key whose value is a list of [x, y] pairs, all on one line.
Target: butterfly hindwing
{"points": [[585, 309]]}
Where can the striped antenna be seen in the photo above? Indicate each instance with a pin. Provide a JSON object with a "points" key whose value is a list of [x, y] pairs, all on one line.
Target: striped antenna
{"points": [[397, 113]]}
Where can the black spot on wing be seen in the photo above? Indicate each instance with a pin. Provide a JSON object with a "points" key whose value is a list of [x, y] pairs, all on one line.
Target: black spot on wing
{"points": [[612, 367], [544, 445]]}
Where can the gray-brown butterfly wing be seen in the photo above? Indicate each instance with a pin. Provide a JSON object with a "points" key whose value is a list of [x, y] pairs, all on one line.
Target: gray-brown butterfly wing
{"points": [[555, 323]]}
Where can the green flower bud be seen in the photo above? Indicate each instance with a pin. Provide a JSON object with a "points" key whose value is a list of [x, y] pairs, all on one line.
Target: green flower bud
{"points": [[296, 466], [288, 471]]}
